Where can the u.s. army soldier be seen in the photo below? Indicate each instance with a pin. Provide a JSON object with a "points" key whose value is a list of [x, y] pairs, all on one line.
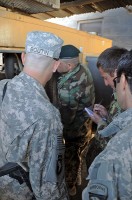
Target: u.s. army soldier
{"points": [[107, 64], [30, 126], [110, 175]]}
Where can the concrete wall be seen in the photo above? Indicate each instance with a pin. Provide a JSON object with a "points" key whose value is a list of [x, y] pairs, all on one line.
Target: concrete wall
{"points": [[115, 24]]}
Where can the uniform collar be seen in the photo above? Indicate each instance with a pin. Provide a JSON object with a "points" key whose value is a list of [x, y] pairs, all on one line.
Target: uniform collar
{"points": [[63, 78], [33, 83]]}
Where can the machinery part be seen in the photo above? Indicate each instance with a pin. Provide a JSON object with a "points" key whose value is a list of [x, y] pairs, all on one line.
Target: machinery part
{"points": [[12, 65]]}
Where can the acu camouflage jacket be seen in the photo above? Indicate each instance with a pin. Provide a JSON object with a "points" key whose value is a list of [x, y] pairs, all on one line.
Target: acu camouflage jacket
{"points": [[110, 175], [31, 132]]}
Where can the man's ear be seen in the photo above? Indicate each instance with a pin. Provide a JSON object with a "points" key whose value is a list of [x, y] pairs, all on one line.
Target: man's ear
{"points": [[69, 66], [115, 73], [23, 57], [123, 81], [56, 65]]}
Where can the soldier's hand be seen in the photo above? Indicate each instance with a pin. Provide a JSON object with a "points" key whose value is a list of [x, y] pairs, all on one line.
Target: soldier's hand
{"points": [[100, 110], [96, 118]]}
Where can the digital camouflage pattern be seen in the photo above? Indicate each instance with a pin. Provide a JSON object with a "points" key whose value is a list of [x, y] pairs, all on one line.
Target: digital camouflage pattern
{"points": [[75, 92], [110, 174], [43, 43], [31, 132]]}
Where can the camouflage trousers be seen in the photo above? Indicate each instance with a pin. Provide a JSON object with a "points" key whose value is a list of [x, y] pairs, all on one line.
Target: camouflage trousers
{"points": [[73, 156]]}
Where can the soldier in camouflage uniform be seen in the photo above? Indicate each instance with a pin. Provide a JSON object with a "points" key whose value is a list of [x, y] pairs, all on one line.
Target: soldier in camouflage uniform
{"points": [[75, 92], [107, 64], [110, 175], [30, 126]]}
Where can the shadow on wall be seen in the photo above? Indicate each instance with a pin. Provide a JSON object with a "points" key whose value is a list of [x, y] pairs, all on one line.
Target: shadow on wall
{"points": [[103, 93]]}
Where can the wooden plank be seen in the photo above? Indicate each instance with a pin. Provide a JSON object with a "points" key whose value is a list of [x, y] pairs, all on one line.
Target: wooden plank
{"points": [[78, 3]]}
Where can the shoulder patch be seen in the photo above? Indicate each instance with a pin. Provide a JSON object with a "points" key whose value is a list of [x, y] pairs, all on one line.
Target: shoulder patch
{"points": [[97, 191]]}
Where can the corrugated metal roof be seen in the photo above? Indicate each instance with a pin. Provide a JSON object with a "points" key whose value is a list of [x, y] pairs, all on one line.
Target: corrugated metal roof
{"points": [[48, 8], [68, 8], [31, 6]]}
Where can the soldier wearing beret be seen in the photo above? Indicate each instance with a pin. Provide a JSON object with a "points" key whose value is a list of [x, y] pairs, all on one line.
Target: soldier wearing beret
{"points": [[30, 126], [75, 92]]}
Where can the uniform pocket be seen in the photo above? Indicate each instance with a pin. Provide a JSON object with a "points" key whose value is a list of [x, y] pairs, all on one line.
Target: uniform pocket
{"points": [[55, 171]]}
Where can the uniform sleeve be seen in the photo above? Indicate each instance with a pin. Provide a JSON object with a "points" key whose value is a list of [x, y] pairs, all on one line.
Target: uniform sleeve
{"points": [[101, 125], [82, 96], [101, 184], [102, 140], [87, 92], [2, 84], [46, 166], [108, 181], [114, 108], [87, 95]]}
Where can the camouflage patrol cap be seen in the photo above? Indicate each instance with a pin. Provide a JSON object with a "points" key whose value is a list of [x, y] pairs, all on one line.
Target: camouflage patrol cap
{"points": [[43, 43], [68, 52]]}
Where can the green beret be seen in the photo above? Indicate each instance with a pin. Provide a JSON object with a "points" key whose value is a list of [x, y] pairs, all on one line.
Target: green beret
{"points": [[68, 52]]}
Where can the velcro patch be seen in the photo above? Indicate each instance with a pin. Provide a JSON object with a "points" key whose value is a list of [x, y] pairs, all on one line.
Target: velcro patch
{"points": [[98, 189], [96, 197]]}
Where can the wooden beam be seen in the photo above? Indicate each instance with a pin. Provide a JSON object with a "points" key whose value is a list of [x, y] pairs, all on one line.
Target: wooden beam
{"points": [[42, 16], [78, 3], [50, 3], [59, 13], [96, 7]]}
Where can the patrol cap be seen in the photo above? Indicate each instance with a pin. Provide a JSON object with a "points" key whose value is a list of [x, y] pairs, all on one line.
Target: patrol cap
{"points": [[69, 51], [43, 43]]}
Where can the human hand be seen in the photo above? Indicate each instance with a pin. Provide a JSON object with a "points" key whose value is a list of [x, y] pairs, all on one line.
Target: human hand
{"points": [[96, 118], [100, 110]]}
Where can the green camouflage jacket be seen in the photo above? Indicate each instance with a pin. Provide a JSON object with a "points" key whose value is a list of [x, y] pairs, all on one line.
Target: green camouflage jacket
{"points": [[75, 91], [114, 110]]}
